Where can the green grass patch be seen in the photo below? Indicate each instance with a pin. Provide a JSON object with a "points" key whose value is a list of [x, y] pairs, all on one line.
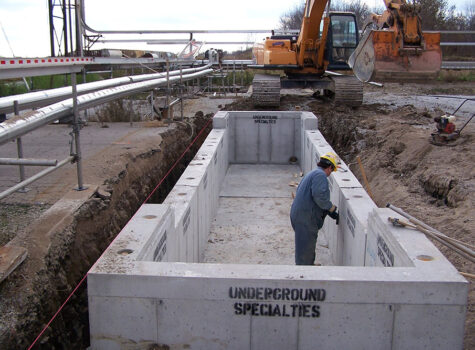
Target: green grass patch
{"points": [[46, 82], [245, 76], [456, 76]]}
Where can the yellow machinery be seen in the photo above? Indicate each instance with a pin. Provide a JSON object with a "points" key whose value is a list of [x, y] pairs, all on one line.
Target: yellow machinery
{"points": [[325, 42], [393, 46]]}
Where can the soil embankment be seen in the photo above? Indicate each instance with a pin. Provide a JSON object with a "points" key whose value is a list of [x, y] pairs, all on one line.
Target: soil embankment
{"points": [[59, 259]]}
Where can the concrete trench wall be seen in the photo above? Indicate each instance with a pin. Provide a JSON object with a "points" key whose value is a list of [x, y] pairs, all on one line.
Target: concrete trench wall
{"points": [[390, 287]]}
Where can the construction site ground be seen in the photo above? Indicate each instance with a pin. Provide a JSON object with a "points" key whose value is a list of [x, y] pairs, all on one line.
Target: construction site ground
{"points": [[123, 163]]}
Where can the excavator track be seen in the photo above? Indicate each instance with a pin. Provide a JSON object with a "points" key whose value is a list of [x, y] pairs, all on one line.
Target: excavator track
{"points": [[266, 90], [348, 91]]}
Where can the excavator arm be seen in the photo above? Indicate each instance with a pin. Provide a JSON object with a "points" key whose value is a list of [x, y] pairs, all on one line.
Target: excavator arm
{"points": [[394, 47], [304, 53], [310, 44], [305, 58], [403, 18]]}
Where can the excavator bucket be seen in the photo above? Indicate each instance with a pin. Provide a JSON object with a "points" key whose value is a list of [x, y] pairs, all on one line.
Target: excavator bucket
{"points": [[379, 57]]}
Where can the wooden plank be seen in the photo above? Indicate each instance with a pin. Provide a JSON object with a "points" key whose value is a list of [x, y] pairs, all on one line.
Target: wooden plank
{"points": [[10, 258]]}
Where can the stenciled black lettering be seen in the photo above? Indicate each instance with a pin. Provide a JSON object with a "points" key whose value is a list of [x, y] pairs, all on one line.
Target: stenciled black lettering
{"points": [[284, 311], [266, 293], [285, 294], [242, 293], [295, 307], [264, 309], [305, 310], [382, 257], [315, 311], [162, 253], [350, 221], [384, 253], [158, 253], [271, 310], [277, 310], [259, 293], [238, 308], [205, 181], [313, 294], [254, 309], [265, 119], [186, 220]]}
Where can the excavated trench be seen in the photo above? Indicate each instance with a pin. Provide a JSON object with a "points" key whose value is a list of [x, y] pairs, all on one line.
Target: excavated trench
{"points": [[401, 165], [95, 225]]}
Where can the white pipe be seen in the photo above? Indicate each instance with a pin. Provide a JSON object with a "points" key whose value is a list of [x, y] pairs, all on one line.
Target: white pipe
{"points": [[42, 98], [17, 126]]}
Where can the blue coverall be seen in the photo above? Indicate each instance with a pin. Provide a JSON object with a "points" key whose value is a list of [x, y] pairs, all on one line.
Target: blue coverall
{"points": [[310, 206]]}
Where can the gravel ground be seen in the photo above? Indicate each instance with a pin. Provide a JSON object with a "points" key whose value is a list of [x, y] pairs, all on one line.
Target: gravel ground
{"points": [[15, 219]]}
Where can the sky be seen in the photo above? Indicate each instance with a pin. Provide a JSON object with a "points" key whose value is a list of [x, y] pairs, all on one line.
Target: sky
{"points": [[24, 28]]}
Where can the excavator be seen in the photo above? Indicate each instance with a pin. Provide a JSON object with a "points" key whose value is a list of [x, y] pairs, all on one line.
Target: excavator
{"points": [[325, 42], [394, 47]]}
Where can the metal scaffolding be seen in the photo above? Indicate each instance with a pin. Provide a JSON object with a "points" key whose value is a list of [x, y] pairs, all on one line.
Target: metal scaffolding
{"points": [[62, 28]]}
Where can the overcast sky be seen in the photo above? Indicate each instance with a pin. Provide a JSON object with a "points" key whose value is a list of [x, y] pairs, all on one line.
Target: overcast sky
{"points": [[25, 22]]}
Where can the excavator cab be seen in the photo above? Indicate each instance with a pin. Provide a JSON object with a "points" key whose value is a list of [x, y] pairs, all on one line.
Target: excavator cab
{"points": [[342, 40]]}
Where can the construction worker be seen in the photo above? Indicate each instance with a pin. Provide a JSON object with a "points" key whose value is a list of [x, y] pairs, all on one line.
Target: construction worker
{"points": [[311, 205]]}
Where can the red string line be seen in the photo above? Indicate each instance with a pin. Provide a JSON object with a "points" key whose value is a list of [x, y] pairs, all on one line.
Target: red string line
{"points": [[150, 195]]}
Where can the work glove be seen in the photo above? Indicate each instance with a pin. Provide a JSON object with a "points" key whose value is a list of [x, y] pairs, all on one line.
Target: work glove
{"points": [[333, 213]]}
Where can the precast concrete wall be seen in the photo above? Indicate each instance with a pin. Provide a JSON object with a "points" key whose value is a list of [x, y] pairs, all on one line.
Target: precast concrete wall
{"points": [[392, 289], [265, 137], [194, 198], [347, 241]]}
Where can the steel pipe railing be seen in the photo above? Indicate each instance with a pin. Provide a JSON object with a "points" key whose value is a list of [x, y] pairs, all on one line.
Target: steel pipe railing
{"points": [[28, 161], [43, 98], [35, 177], [17, 126], [171, 41]]}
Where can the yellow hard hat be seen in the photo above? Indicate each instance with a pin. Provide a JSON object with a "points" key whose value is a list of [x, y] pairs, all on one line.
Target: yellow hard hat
{"points": [[332, 158]]}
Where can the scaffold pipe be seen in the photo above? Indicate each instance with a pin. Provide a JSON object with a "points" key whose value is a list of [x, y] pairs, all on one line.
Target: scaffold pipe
{"points": [[42, 98], [20, 125]]}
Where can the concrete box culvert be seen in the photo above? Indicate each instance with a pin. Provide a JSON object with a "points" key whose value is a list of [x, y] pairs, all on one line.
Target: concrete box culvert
{"points": [[378, 287]]}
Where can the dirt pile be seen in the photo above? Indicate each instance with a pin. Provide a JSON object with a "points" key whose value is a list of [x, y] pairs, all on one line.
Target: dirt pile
{"points": [[433, 183], [34, 292]]}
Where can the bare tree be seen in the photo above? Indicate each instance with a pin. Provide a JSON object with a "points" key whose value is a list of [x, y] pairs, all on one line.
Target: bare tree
{"points": [[469, 13], [292, 19], [358, 7], [433, 14]]}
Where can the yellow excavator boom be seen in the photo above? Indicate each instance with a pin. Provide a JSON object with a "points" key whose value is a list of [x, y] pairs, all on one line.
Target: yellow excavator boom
{"points": [[305, 52]]}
